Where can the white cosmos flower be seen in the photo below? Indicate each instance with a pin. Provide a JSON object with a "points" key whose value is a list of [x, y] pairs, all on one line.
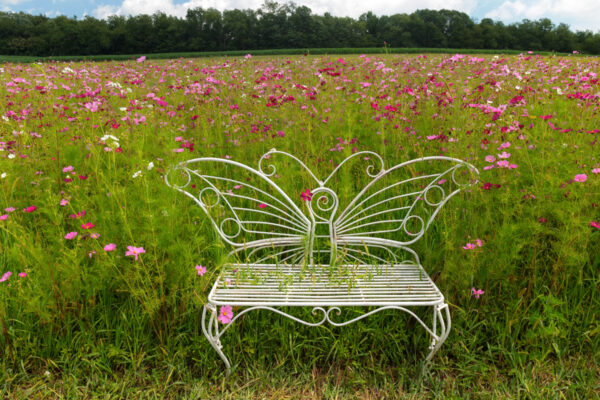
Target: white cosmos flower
{"points": [[138, 173], [150, 165], [106, 137]]}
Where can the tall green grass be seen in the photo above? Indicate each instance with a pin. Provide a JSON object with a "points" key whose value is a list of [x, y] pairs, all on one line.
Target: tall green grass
{"points": [[108, 326]]}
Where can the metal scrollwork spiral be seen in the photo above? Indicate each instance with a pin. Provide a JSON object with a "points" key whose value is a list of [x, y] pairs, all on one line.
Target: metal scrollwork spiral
{"points": [[184, 171], [326, 202], [434, 203], [211, 189], [421, 222]]}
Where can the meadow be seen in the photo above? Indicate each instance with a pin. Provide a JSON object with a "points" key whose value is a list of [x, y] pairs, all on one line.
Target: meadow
{"points": [[99, 291]]}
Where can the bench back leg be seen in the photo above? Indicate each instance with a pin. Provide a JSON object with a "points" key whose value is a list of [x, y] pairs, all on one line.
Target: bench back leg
{"points": [[211, 331]]}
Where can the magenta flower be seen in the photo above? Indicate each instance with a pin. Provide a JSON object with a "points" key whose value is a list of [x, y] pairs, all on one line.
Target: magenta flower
{"points": [[134, 251], [595, 224], [87, 225], [201, 270], [225, 314], [8, 274], [70, 235], [477, 292], [30, 209], [580, 178], [110, 247], [306, 195], [262, 205]]}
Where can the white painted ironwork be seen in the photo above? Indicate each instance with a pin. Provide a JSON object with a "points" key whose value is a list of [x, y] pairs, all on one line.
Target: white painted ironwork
{"points": [[365, 262]]}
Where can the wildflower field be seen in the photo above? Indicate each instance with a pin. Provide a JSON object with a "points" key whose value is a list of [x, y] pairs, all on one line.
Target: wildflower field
{"points": [[104, 269]]}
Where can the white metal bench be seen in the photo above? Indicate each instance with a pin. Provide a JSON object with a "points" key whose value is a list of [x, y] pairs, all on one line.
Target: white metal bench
{"points": [[323, 248]]}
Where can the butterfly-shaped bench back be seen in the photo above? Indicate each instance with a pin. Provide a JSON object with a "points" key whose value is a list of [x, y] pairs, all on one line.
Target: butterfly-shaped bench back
{"points": [[362, 213]]}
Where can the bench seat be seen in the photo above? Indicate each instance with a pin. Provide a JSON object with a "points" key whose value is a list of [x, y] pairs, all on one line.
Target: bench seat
{"points": [[405, 284]]}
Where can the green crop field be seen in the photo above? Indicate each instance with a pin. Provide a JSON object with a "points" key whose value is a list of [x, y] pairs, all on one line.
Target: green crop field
{"points": [[271, 52], [84, 148]]}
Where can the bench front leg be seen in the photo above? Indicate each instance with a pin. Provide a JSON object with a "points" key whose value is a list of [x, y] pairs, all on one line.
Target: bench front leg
{"points": [[211, 331], [442, 321]]}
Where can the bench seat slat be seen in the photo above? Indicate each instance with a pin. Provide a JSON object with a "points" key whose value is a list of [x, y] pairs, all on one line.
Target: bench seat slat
{"points": [[281, 285]]}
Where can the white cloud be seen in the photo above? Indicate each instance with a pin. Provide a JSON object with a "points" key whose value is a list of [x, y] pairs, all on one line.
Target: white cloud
{"points": [[350, 8], [580, 14], [105, 11], [6, 3]]}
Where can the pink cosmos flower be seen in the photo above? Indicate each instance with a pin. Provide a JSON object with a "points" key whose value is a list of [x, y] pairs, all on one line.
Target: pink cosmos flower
{"points": [[490, 158], [141, 59], [30, 209], [225, 314], [87, 225], [545, 117], [477, 292], [262, 205], [201, 270], [580, 178], [22, 274], [134, 251], [504, 155], [3, 217], [70, 235], [478, 242], [68, 169], [110, 247], [306, 195], [94, 235], [595, 224], [469, 246], [8, 274], [9, 209], [64, 202]]}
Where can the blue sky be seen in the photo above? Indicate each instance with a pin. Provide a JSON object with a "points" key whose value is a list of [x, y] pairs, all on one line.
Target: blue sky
{"points": [[578, 14]]}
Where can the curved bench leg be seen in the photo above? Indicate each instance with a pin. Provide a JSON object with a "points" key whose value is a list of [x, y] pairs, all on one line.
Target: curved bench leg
{"points": [[212, 333], [438, 339]]}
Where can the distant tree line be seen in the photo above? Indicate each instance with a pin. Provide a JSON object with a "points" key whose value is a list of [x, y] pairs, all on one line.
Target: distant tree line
{"points": [[276, 26]]}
